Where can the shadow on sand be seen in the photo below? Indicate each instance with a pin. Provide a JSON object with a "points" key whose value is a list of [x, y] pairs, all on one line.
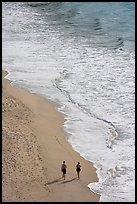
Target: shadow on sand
{"points": [[54, 181], [60, 179], [67, 181]]}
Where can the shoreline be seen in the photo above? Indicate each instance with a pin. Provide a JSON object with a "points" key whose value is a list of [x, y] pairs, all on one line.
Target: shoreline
{"points": [[34, 146]]}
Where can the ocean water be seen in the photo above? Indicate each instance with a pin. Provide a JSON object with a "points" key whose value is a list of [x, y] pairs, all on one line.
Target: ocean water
{"points": [[82, 56]]}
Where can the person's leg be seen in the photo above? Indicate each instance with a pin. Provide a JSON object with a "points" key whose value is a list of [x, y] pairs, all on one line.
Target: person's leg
{"points": [[64, 174], [78, 174]]}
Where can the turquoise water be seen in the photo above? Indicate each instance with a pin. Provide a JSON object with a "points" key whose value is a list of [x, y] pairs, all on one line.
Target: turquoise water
{"points": [[81, 55]]}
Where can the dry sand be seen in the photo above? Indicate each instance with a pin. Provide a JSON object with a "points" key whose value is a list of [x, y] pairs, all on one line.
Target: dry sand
{"points": [[34, 144]]}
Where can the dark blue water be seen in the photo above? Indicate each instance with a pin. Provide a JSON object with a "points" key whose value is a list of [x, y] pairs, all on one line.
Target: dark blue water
{"points": [[81, 55]]}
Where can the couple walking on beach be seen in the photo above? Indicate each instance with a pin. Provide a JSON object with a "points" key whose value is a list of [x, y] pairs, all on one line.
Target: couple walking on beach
{"points": [[64, 167]]}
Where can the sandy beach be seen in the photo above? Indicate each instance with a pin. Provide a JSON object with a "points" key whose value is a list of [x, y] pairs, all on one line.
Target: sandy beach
{"points": [[34, 144]]}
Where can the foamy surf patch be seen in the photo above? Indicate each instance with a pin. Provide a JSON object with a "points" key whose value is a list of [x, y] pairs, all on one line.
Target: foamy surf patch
{"points": [[112, 135]]}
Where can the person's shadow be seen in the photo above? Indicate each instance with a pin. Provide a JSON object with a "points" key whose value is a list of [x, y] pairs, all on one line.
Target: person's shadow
{"points": [[67, 181], [54, 181], [58, 180]]}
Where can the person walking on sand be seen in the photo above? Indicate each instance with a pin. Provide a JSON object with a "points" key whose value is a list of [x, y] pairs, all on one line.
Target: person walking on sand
{"points": [[78, 168], [63, 169]]}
